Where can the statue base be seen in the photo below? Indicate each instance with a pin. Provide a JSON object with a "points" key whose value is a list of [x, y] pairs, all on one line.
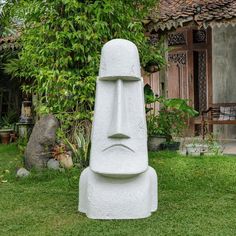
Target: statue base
{"points": [[102, 197]]}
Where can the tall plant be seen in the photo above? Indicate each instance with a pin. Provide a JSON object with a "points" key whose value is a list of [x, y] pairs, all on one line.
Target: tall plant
{"points": [[61, 43], [172, 117]]}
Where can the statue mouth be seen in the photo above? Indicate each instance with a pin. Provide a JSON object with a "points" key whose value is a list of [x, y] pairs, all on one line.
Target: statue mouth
{"points": [[118, 145]]}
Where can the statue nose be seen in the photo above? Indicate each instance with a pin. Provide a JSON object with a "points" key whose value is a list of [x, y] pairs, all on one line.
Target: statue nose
{"points": [[119, 126]]}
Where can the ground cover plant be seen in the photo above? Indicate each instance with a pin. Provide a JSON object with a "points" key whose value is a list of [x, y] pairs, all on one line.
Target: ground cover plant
{"points": [[197, 196]]}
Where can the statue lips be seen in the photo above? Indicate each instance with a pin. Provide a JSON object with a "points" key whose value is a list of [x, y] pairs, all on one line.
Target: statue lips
{"points": [[118, 145]]}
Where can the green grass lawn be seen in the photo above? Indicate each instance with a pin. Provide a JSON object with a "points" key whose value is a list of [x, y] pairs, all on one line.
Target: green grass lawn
{"points": [[197, 196]]}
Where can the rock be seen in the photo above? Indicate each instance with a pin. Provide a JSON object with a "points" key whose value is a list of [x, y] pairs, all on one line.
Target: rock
{"points": [[22, 172], [53, 164], [42, 139], [65, 160]]}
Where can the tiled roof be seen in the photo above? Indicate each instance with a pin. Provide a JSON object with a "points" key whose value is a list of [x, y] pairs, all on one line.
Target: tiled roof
{"points": [[175, 13]]}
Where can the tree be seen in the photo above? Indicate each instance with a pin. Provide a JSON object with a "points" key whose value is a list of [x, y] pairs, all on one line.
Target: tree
{"points": [[61, 42]]}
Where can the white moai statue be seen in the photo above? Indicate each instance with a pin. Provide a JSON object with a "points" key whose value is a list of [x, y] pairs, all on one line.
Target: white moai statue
{"points": [[119, 184]]}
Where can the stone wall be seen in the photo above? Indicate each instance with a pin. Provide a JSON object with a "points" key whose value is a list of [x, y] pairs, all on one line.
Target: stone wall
{"points": [[224, 71]]}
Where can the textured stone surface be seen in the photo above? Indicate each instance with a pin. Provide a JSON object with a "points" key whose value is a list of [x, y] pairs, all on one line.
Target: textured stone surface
{"points": [[22, 172], [102, 197], [119, 134], [53, 164], [118, 184], [119, 59], [38, 150], [65, 160]]}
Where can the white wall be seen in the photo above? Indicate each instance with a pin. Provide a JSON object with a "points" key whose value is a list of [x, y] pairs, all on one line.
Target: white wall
{"points": [[224, 71]]}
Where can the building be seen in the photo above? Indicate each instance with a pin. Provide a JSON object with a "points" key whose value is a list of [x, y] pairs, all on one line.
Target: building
{"points": [[201, 36], [10, 93]]}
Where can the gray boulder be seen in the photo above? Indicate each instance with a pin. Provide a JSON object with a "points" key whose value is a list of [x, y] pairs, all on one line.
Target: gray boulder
{"points": [[22, 172], [42, 139], [53, 164]]}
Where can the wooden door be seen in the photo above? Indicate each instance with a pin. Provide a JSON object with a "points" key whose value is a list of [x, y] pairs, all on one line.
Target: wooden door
{"points": [[189, 69], [177, 86]]}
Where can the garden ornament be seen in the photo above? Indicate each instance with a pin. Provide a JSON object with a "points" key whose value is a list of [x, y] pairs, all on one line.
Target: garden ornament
{"points": [[119, 184]]}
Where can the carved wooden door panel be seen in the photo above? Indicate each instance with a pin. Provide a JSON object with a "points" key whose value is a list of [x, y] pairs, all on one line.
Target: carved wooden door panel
{"points": [[189, 68], [177, 86]]}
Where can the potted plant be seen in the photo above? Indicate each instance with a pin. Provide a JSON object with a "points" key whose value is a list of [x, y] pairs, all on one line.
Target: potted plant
{"points": [[7, 127], [208, 146], [152, 67], [60, 154], [154, 59], [166, 123], [155, 137], [80, 148], [172, 119], [196, 149]]}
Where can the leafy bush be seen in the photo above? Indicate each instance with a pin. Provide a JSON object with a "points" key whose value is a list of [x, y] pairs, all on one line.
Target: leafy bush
{"points": [[61, 42], [172, 118], [8, 120], [150, 98], [80, 149]]}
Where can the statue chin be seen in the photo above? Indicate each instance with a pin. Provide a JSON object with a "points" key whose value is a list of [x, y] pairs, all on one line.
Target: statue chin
{"points": [[119, 173], [118, 161]]}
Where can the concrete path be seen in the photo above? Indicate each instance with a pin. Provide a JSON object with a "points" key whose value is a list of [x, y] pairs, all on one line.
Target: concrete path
{"points": [[229, 147]]}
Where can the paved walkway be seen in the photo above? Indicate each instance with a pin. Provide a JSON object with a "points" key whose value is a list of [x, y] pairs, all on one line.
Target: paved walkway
{"points": [[229, 147]]}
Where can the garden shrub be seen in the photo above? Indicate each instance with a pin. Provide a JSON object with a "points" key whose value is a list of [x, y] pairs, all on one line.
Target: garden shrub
{"points": [[61, 42]]}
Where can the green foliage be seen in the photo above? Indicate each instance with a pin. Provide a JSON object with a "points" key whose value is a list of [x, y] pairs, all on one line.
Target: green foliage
{"points": [[154, 56], [211, 140], [61, 43], [171, 119], [179, 104], [197, 197], [8, 120], [80, 149], [149, 97], [173, 116], [21, 145], [152, 125]]}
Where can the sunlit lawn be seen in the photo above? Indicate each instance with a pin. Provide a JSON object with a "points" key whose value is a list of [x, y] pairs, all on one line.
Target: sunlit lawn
{"points": [[197, 196]]}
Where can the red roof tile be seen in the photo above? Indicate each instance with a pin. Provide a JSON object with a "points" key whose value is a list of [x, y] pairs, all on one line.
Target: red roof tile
{"points": [[174, 13]]}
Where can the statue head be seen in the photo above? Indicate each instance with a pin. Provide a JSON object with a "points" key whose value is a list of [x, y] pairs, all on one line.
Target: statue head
{"points": [[119, 134]]}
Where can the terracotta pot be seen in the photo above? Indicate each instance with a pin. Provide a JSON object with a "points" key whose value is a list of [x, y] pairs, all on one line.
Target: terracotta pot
{"points": [[5, 138]]}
